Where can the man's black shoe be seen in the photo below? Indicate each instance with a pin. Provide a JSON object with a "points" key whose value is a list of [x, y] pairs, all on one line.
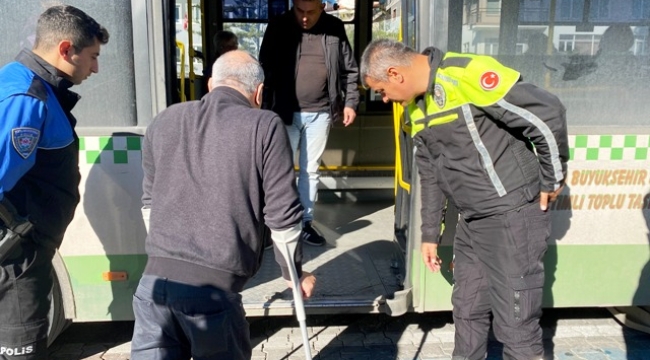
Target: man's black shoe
{"points": [[310, 236]]}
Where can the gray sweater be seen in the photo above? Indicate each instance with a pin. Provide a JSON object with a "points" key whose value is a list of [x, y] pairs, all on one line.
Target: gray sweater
{"points": [[216, 172]]}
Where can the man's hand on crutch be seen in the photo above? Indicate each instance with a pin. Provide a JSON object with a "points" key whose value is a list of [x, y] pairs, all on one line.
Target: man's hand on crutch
{"points": [[307, 283]]}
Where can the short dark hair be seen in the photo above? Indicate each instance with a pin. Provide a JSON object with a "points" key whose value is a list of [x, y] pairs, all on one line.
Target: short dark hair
{"points": [[222, 40], [65, 22]]}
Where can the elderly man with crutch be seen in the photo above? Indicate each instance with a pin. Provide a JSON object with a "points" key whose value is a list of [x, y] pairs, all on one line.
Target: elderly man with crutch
{"points": [[218, 174]]}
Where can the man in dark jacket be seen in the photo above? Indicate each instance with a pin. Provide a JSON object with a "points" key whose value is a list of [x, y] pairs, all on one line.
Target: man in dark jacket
{"points": [[39, 169], [497, 148], [217, 173], [311, 81]]}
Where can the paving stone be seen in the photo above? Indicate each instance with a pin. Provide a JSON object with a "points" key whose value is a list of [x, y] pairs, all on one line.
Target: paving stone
{"points": [[87, 357], [297, 354], [376, 339], [258, 344], [447, 347], [325, 338], [258, 353], [421, 337], [351, 338], [116, 357], [443, 337], [68, 351], [276, 345], [428, 351], [330, 352], [120, 348], [277, 353], [327, 344], [409, 338]]}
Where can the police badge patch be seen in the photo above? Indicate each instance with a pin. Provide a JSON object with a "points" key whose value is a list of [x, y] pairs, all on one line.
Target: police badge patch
{"points": [[439, 95], [25, 140]]}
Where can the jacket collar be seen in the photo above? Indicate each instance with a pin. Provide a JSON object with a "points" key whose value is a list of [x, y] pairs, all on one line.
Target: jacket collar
{"points": [[43, 69], [435, 59], [226, 93], [49, 73]]}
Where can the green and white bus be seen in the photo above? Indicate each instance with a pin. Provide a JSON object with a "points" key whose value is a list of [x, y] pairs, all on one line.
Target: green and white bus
{"points": [[599, 250]]}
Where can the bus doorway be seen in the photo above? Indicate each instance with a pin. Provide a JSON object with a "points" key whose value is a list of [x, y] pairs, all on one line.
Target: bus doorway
{"points": [[361, 266], [196, 24]]}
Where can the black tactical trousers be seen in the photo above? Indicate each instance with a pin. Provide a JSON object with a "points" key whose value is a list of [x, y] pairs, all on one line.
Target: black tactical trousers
{"points": [[25, 284], [499, 269]]}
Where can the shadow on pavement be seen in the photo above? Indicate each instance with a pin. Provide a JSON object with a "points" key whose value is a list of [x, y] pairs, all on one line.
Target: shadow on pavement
{"points": [[355, 336], [92, 341]]}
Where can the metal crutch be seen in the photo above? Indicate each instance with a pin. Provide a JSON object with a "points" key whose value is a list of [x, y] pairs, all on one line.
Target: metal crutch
{"points": [[287, 247]]}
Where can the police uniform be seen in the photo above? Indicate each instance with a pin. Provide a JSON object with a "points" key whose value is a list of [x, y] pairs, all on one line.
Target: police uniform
{"points": [[489, 143], [35, 106]]}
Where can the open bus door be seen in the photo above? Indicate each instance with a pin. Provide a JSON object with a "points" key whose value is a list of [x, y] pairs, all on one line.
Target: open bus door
{"points": [[185, 49], [362, 267], [194, 24]]}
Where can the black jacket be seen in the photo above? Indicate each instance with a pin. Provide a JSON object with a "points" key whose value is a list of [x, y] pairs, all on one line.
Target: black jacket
{"points": [[279, 55], [216, 171], [488, 147]]}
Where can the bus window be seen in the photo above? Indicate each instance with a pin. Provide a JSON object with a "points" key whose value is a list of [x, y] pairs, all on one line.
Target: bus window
{"points": [[344, 10], [580, 50], [116, 69], [386, 20], [249, 22], [249, 35], [409, 26], [385, 25]]}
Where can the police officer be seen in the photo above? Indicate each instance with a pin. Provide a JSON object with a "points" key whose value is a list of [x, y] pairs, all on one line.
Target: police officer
{"points": [[475, 124], [39, 171]]}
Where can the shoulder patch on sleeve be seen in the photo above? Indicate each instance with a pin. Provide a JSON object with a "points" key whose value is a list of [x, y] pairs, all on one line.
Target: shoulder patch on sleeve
{"points": [[25, 140]]}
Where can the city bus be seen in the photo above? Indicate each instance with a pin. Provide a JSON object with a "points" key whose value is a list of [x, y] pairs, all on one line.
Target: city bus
{"points": [[598, 253]]}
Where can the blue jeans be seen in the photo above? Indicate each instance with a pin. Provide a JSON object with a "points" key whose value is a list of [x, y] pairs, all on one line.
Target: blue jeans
{"points": [[176, 321], [310, 131]]}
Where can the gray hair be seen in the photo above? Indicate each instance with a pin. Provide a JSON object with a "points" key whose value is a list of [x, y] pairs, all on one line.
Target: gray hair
{"points": [[233, 69], [64, 22], [381, 54]]}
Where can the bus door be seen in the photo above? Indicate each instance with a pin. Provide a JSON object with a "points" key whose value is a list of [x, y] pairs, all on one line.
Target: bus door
{"points": [[194, 25], [186, 33], [365, 267]]}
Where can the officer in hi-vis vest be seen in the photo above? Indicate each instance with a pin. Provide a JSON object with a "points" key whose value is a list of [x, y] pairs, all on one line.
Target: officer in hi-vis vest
{"points": [[496, 147]]}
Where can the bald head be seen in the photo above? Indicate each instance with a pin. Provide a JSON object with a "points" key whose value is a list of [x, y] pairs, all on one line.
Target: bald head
{"points": [[237, 69]]}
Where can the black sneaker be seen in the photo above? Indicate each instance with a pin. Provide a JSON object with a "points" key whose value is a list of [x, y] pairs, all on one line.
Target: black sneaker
{"points": [[310, 236]]}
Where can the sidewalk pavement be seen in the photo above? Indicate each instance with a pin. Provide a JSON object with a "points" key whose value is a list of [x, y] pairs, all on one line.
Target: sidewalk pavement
{"points": [[378, 337]]}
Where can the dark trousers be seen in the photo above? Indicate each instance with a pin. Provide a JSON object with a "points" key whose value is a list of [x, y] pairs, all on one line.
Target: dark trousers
{"points": [[178, 321], [25, 284], [499, 269]]}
